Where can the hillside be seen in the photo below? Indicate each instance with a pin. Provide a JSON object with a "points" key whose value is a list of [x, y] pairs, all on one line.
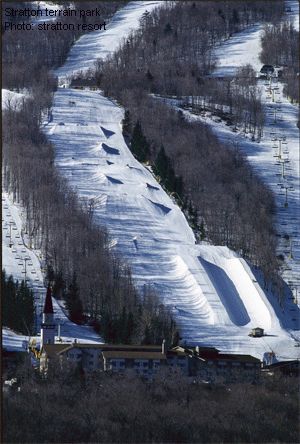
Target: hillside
{"points": [[210, 289]]}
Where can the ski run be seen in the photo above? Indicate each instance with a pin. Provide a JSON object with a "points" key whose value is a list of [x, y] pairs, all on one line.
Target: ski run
{"points": [[214, 294]]}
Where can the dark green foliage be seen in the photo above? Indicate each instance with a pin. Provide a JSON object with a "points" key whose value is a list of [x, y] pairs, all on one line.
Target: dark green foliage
{"points": [[58, 285], [73, 302], [139, 145], [164, 169], [126, 124], [18, 305]]}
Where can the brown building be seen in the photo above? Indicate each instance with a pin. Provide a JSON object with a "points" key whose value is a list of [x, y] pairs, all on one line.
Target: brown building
{"points": [[210, 365]]}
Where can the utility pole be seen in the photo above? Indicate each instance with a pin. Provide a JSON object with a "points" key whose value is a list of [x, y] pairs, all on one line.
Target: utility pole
{"points": [[10, 242], [287, 188], [291, 249], [296, 294], [25, 265]]}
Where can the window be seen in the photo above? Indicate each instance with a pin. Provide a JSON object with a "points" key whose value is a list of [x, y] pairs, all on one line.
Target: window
{"points": [[113, 363], [145, 364]]}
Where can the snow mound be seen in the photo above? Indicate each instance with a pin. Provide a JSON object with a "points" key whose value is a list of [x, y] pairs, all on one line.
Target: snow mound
{"points": [[158, 208], [151, 187], [110, 149], [198, 304], [227, 293], [107, 132], [114, 181]]}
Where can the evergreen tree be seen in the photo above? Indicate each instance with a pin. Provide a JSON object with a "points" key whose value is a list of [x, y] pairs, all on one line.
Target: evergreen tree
{"points": [[139, 145], [161, 165], [18, 305], [59, 285], [73, 301], [126, 124]]}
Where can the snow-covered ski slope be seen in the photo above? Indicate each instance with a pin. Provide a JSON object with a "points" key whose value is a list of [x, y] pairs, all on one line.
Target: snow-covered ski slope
{"points": [[280, 174], [100, 44], [281, 138], [23, 262], [213, 293]]}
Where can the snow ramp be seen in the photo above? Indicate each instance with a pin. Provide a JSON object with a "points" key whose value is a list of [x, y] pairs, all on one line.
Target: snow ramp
{"points": [[251, 294], [227, 293], [195, 304]]}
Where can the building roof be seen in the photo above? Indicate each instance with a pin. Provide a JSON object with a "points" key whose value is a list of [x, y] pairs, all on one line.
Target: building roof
{"points": [[282, 364], [62, 348], [176, 353], [234, 357], [54, 349], [133, 355], [48, 307]]}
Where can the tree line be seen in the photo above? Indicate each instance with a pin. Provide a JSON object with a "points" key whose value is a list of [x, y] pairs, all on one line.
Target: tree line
{"points": [[172, 54], [17, 305], [94, 280], [221, 195], [29, 55], [280, 46], [106, 408]]}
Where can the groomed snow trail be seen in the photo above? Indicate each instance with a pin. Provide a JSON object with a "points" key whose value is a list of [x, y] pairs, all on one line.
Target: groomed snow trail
{"points": [[23, 262], [212, 292], [280, 139]]}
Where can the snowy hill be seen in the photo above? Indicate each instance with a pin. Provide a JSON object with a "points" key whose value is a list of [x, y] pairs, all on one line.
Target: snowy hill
{"points": [[213, 293], [23, 262]]}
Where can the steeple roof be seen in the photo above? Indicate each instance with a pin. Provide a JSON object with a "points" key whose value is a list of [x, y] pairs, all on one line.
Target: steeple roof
{"points": [[48, 307]]}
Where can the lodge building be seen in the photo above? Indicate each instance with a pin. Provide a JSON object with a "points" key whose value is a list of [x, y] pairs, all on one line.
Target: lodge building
{"points": [[204, 363]]}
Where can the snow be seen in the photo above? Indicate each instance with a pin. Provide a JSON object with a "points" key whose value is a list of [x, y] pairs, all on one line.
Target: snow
{"points": [[41, 5], [283, 126], [100, 44], [14, 258], [12, 99], [244, 47], [213, 293], [12, 341], [239, 50], [293, 15]]}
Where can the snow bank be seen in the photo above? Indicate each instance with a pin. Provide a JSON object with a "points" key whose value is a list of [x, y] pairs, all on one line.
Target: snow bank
{"points": [[12, 100]]}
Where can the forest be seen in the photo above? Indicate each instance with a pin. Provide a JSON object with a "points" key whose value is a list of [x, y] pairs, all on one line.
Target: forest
{"points": [[173, 409], [223, 198], [17, 305], [280, 46], [98, 288]]}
